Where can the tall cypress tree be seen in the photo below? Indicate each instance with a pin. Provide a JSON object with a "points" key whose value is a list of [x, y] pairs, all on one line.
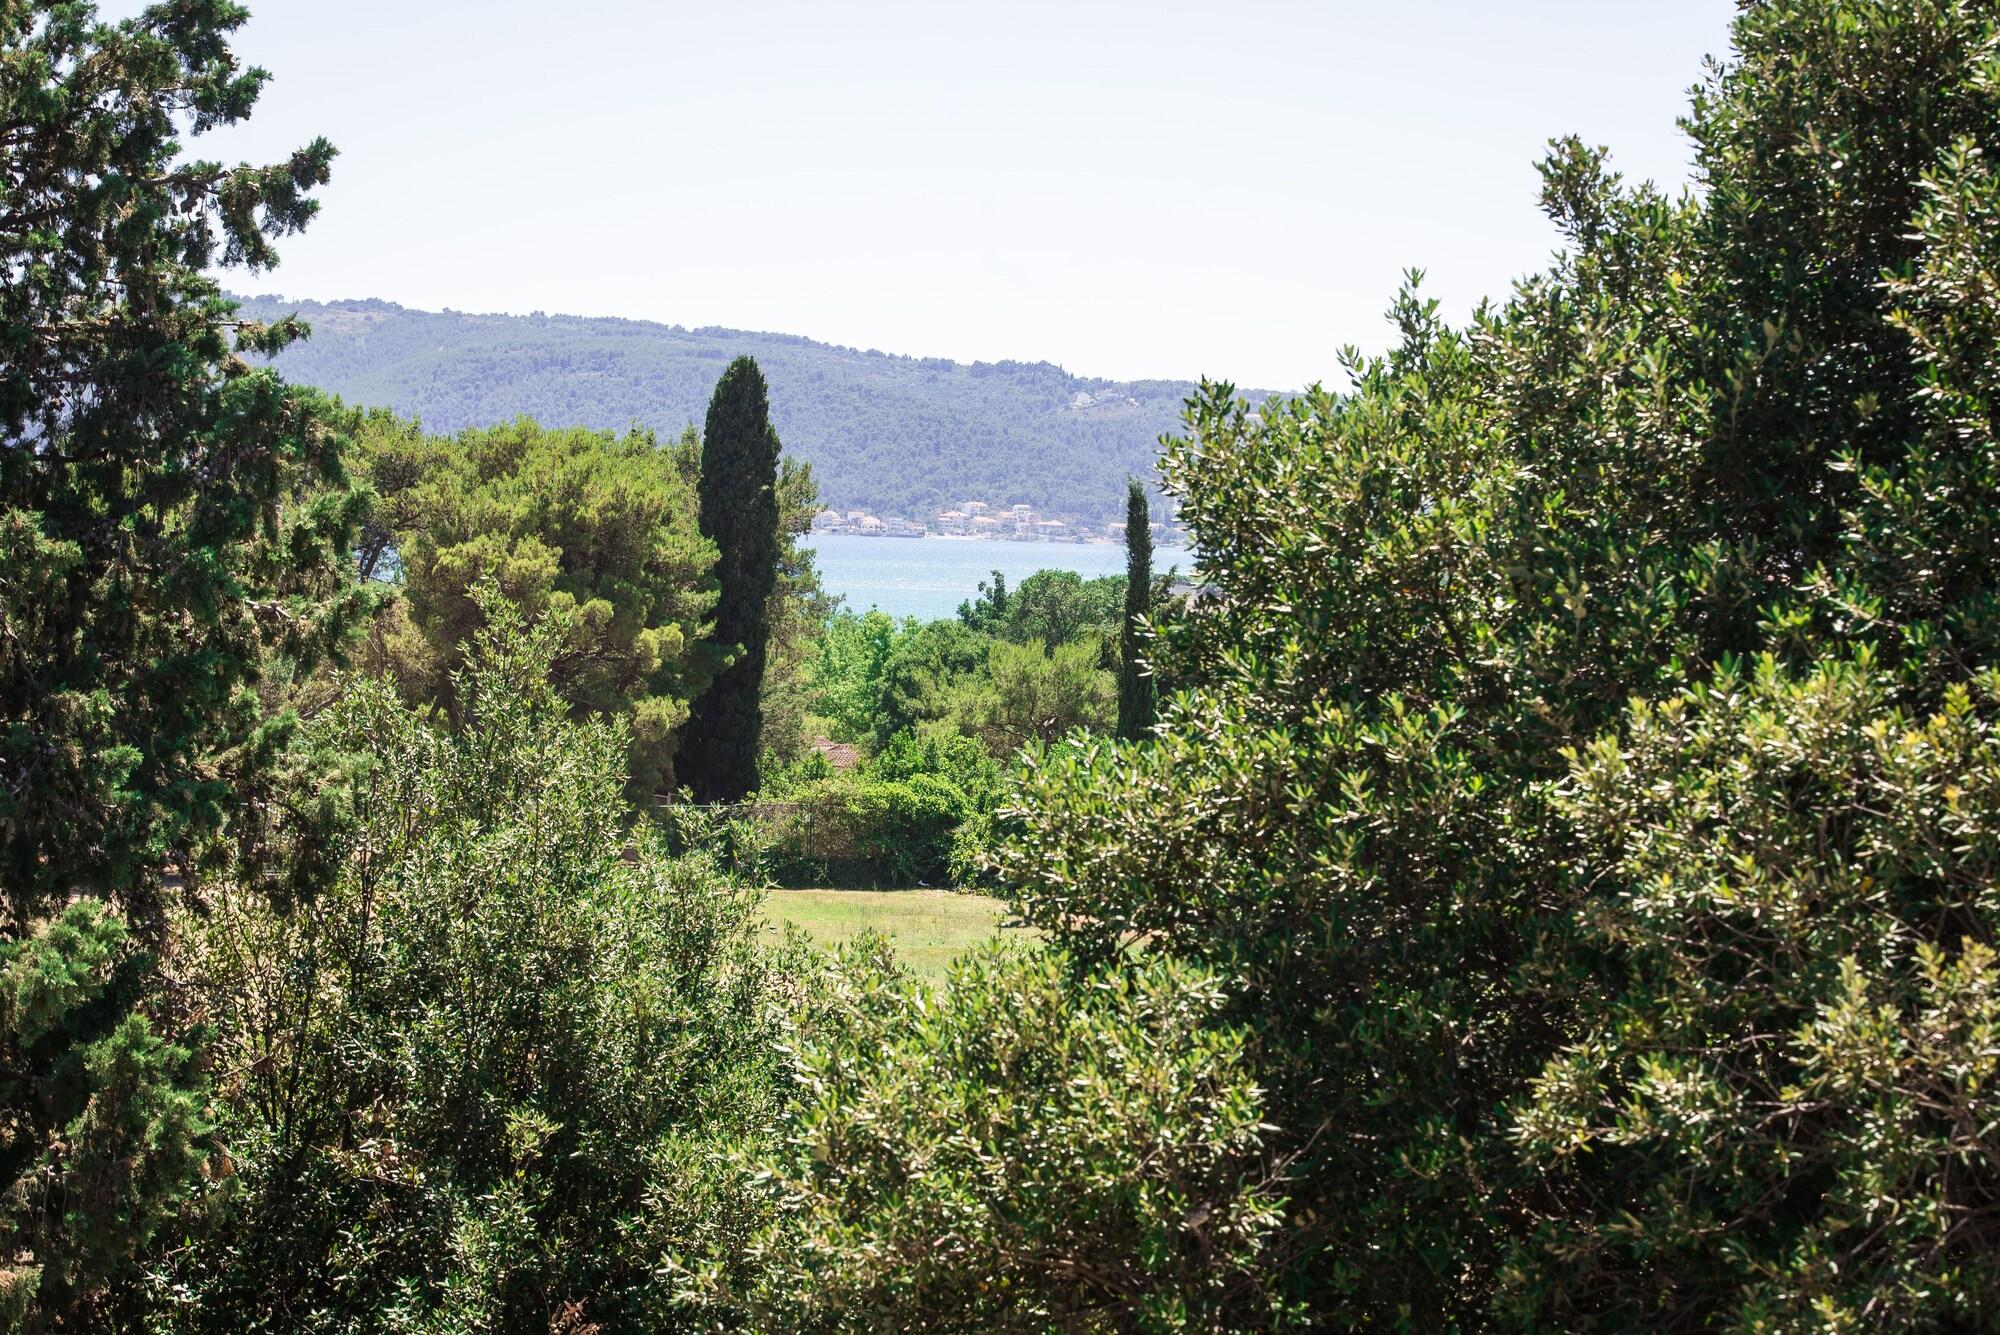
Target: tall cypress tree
{"points": [[739, 513], [1135, 684]]}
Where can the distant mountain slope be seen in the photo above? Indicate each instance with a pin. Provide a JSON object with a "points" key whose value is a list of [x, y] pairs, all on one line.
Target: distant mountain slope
{"points": [[896, 435]]}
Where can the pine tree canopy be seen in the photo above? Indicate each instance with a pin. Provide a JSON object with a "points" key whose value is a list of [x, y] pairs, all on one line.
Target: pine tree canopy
{"points": [[154, 543]]}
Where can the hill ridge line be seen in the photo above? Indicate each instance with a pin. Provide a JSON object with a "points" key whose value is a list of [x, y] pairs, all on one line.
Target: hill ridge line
{"points": [[889, 433]]}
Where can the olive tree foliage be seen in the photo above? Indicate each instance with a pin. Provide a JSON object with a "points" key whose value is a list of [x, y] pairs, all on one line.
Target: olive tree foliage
{"points": [[480, 1083], [1584, 779], [1791, 1090], [173, 522], [1013, 1152]]}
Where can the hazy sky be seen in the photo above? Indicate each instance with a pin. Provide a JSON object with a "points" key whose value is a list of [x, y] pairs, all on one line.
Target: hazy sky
{"points": [[1130, 189]]}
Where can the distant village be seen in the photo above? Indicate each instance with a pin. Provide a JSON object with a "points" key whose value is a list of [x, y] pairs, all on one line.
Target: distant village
{"points": [[977, 519]]}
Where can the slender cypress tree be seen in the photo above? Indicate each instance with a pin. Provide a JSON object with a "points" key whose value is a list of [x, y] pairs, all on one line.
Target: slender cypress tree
{"points": [[739, 513], [1135, 684]]}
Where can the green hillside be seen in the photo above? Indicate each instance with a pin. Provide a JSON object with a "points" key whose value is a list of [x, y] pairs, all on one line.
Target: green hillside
{"points": [[896, 435]]}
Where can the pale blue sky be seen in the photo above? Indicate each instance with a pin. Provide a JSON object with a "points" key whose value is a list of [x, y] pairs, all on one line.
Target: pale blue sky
{"points": [[1129, 189]]}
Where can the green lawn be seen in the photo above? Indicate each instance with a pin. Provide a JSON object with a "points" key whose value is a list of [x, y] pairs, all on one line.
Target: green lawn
{"points": [[929, 927]]}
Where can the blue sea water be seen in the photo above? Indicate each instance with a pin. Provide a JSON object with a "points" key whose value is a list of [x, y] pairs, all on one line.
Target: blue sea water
{"points": [[928, 578]]}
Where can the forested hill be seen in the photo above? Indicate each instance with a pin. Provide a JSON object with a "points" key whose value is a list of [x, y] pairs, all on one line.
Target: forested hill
{"points": [[896, 435]]}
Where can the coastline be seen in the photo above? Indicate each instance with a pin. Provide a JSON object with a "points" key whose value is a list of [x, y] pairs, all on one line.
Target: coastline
{"points": [[928, 536], [978, 521], [929, 580]]}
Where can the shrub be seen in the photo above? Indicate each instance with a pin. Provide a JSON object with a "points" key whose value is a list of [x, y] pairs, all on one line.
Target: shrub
{"points": [[1584, 783], [1791, 1095], [1018, 1150], [468, 1081], [959, 760], [903, 828], [856, 828]]}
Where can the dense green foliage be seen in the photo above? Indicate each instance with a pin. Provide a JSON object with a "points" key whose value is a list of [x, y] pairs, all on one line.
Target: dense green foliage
{"points": [[896, 435], [919, 678], [1034, 692], [157, 554], [146, 470], [1558, 890], [867, 830], [1057, 607], [1136, 688], [740, 515], [941, 704], [799, 607], [567, 521], [1587, 782], [854, 652], [578, 519], [481, 1081], [878, 677], [105, 1118], [1017, 1152], [953, 757], [915, 814]]}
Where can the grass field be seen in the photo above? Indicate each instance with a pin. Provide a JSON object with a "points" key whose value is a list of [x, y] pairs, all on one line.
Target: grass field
{"points": [[929, 927]]}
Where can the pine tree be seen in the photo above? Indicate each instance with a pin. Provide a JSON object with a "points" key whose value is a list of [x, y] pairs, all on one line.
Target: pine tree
{"points": [[171, 520], [1135, 683], [739, 513], [600, 524]]}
